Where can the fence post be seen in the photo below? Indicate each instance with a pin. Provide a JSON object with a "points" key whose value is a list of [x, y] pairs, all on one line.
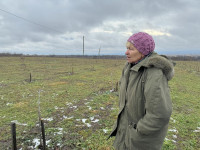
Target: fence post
{"points": [[30, 77], [116, 87], [43, 135], [13, 132]]}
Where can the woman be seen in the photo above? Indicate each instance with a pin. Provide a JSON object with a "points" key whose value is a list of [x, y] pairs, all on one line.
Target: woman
{"points": [[144, 99]]}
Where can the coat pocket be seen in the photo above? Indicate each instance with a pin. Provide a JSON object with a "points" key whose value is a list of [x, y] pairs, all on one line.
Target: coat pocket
{"points": [[135, 140], [132, 137]]}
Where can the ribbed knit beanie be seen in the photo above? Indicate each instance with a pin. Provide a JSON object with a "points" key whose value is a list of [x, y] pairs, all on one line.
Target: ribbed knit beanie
{"points": [[143, 42]]}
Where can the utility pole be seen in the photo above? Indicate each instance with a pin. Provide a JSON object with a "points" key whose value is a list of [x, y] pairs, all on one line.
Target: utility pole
{"points": [[99, 50], [83, 45]]}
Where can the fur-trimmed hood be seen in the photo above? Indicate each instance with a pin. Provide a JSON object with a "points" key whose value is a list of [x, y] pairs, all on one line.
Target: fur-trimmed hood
{"points": [[162, 62]]}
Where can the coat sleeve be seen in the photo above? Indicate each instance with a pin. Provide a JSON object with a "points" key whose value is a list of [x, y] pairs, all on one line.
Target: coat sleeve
{"points": [[158, 103]]}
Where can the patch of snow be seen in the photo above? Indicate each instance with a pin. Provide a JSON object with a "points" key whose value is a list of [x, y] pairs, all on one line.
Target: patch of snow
{"points": [[173, 130], [89, 107], [15, 121], [84, 120], [88, 125], [60, 130], [174, 136], [105, 130], [92, 118], [112, 90], [65, 117], [48, 119], [86, 103], [73, 107], [173, 120], [9, 104], [78, 119], [174, 141], [96, 120], [198, 129], [48, 141], [102, 108], [68, 103], [166, 139], [58, 144], [56, 107], [36, 142]]}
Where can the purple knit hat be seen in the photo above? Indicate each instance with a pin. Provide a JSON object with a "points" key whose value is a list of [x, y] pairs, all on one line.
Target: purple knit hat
{"points": [[143, 42]]}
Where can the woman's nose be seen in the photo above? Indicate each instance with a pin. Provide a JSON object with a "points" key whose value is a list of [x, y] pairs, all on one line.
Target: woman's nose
{"points": [[126, 52]]}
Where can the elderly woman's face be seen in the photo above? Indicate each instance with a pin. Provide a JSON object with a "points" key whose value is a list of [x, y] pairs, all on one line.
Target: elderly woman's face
{"points": [[132, 54]]}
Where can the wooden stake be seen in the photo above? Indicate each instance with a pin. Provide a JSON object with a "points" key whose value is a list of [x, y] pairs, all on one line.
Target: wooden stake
{"points": [[30, 77], [43, 135], [13, 131]]}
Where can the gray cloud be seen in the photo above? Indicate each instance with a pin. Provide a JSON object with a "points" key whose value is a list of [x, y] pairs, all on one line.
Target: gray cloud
{"points": [[173, 24]]}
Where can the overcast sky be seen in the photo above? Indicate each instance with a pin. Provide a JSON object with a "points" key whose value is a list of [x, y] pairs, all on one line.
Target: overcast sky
{"points": [[58, 26]]}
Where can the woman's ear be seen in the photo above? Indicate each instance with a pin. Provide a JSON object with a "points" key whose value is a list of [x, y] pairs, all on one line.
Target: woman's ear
{"points": [[142, 55]]}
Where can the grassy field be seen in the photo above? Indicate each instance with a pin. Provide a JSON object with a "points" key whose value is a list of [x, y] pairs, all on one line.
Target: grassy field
{"points": [[79, 105]]}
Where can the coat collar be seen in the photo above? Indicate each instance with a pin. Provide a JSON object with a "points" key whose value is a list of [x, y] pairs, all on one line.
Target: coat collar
{"points": [[143, 63], [155, 60]]}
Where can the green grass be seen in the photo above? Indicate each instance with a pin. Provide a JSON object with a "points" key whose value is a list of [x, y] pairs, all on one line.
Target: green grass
{"points": [[78, 105]]}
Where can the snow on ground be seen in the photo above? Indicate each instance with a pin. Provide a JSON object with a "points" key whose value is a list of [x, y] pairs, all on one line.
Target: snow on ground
{"points": [[105, 130], [197, 130], [173, 120], [9, 104], [48, 119], [68, 103], [173, 130], [60, 131], [96, 120], [18, 123], [36, 142], [65, 117], [89, 107], [102, 108]]}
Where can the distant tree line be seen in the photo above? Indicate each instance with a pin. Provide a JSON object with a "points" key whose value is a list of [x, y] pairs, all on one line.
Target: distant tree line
{"points": [[9, 54], [185, 58], [175, 58]]}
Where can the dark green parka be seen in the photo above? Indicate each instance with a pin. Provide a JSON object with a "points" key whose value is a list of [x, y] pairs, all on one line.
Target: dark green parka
{"points": [[145, 105]]}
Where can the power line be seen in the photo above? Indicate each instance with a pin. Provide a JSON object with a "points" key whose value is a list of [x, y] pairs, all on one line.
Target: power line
{"points": [[27, 20]]}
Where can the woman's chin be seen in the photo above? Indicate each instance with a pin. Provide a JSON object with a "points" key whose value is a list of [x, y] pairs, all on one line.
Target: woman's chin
{"points": [[129, 61]]}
